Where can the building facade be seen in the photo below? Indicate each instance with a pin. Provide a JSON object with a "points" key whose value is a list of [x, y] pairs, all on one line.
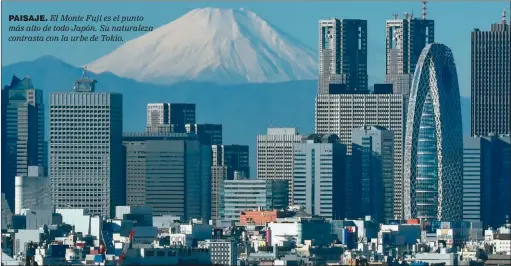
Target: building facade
{"points": [[319, 176], [275, 155], [340, 113], [405, 39], [342, 54], [209, 134], [486, 179], [169, 172], [223, 252], [491, 81], [32, 190], [433, 167], [240, 195], [373, 170], [86, 153], [227, 160], [22, 132]]}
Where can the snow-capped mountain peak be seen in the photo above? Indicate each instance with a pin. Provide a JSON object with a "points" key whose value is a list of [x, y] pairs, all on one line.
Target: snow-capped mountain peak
{"points": [[212, 45]]}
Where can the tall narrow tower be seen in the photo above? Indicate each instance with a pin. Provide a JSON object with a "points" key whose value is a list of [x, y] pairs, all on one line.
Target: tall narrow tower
{"points": [[406, 38], [22, 132], [342, 54], [491, 80]]}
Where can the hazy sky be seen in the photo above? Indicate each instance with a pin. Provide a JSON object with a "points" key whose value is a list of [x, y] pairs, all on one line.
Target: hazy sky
{"points": [[453, 21]]}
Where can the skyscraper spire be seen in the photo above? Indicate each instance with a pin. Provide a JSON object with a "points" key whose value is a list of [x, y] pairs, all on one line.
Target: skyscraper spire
{"points": [[504, 16], [424, 9]]}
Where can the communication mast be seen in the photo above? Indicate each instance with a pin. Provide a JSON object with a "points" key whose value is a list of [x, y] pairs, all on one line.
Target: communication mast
{"points": [[424, 9]]}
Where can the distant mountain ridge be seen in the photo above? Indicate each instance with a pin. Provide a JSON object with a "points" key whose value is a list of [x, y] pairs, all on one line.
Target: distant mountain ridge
{"points": [[244, 110], [224, 46]]}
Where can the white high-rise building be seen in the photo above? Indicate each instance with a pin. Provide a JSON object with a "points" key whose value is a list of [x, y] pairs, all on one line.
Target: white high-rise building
{"points": [[341, 113], [157, 114], [275, 155], [319, 170], [86, 154]]}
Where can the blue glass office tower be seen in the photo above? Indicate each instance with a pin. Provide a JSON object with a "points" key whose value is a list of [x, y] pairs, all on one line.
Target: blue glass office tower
{"points": [[22, 132], [433, 166]]}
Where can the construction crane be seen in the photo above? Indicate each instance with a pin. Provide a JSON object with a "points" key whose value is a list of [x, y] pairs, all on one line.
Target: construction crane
{"points": [[125, 247]]}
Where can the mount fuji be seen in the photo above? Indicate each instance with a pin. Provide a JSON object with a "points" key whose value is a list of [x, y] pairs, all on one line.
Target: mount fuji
{"points": [[223, 46]]}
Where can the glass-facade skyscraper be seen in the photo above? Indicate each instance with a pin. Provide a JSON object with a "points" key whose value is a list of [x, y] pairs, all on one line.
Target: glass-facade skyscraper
{"points": [[491, 81], [22, 132], [86, 153], [433, 161]]}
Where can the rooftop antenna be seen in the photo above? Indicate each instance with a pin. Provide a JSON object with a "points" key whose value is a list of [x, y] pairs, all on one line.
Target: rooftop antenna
{"points": [[424, 9], [395, 15], [85, 72], [504, 16]]}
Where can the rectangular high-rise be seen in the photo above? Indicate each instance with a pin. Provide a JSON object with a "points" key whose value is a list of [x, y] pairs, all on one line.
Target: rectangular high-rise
{"points": [[319, 172], [340, 113], [372, 168], [491, 81], [22, 132], [275, 155], [486, 179], [342, 54], [405, 39], [86, 153], [181, 114], [169, 172], [227, 159]]}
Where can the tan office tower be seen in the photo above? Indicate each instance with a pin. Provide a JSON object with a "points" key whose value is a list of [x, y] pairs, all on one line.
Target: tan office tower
{"points": [[275, 155]]}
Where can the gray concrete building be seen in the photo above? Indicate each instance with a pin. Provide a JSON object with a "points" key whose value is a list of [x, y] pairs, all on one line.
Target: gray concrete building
{"points": [[342, 54], [340, 113], [240, 195], [405, 39], [22, 132], [486, 179], [169, 172], [32, 191], [275, 155], [372, 167], [319, 176], [491, 81], [86, 153]]}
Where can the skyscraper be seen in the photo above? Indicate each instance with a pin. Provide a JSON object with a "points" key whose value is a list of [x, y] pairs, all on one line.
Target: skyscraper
{"points": [[208, 134], [227, 159], [373, 169], [169, 117], [86, 153], [406, 37], [275, 155], [169, 172], [342, 54], [22, 132], [486, 179], [340, 113], [433, 168], [491, 80], [181, 114], [319, 171]]}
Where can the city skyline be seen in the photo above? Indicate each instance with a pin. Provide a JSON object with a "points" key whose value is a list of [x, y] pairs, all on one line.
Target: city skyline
{"points": [[450, 33]]}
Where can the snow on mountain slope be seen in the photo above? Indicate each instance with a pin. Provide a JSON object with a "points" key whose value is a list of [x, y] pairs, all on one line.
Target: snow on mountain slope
{"points": [[224, 46]]}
